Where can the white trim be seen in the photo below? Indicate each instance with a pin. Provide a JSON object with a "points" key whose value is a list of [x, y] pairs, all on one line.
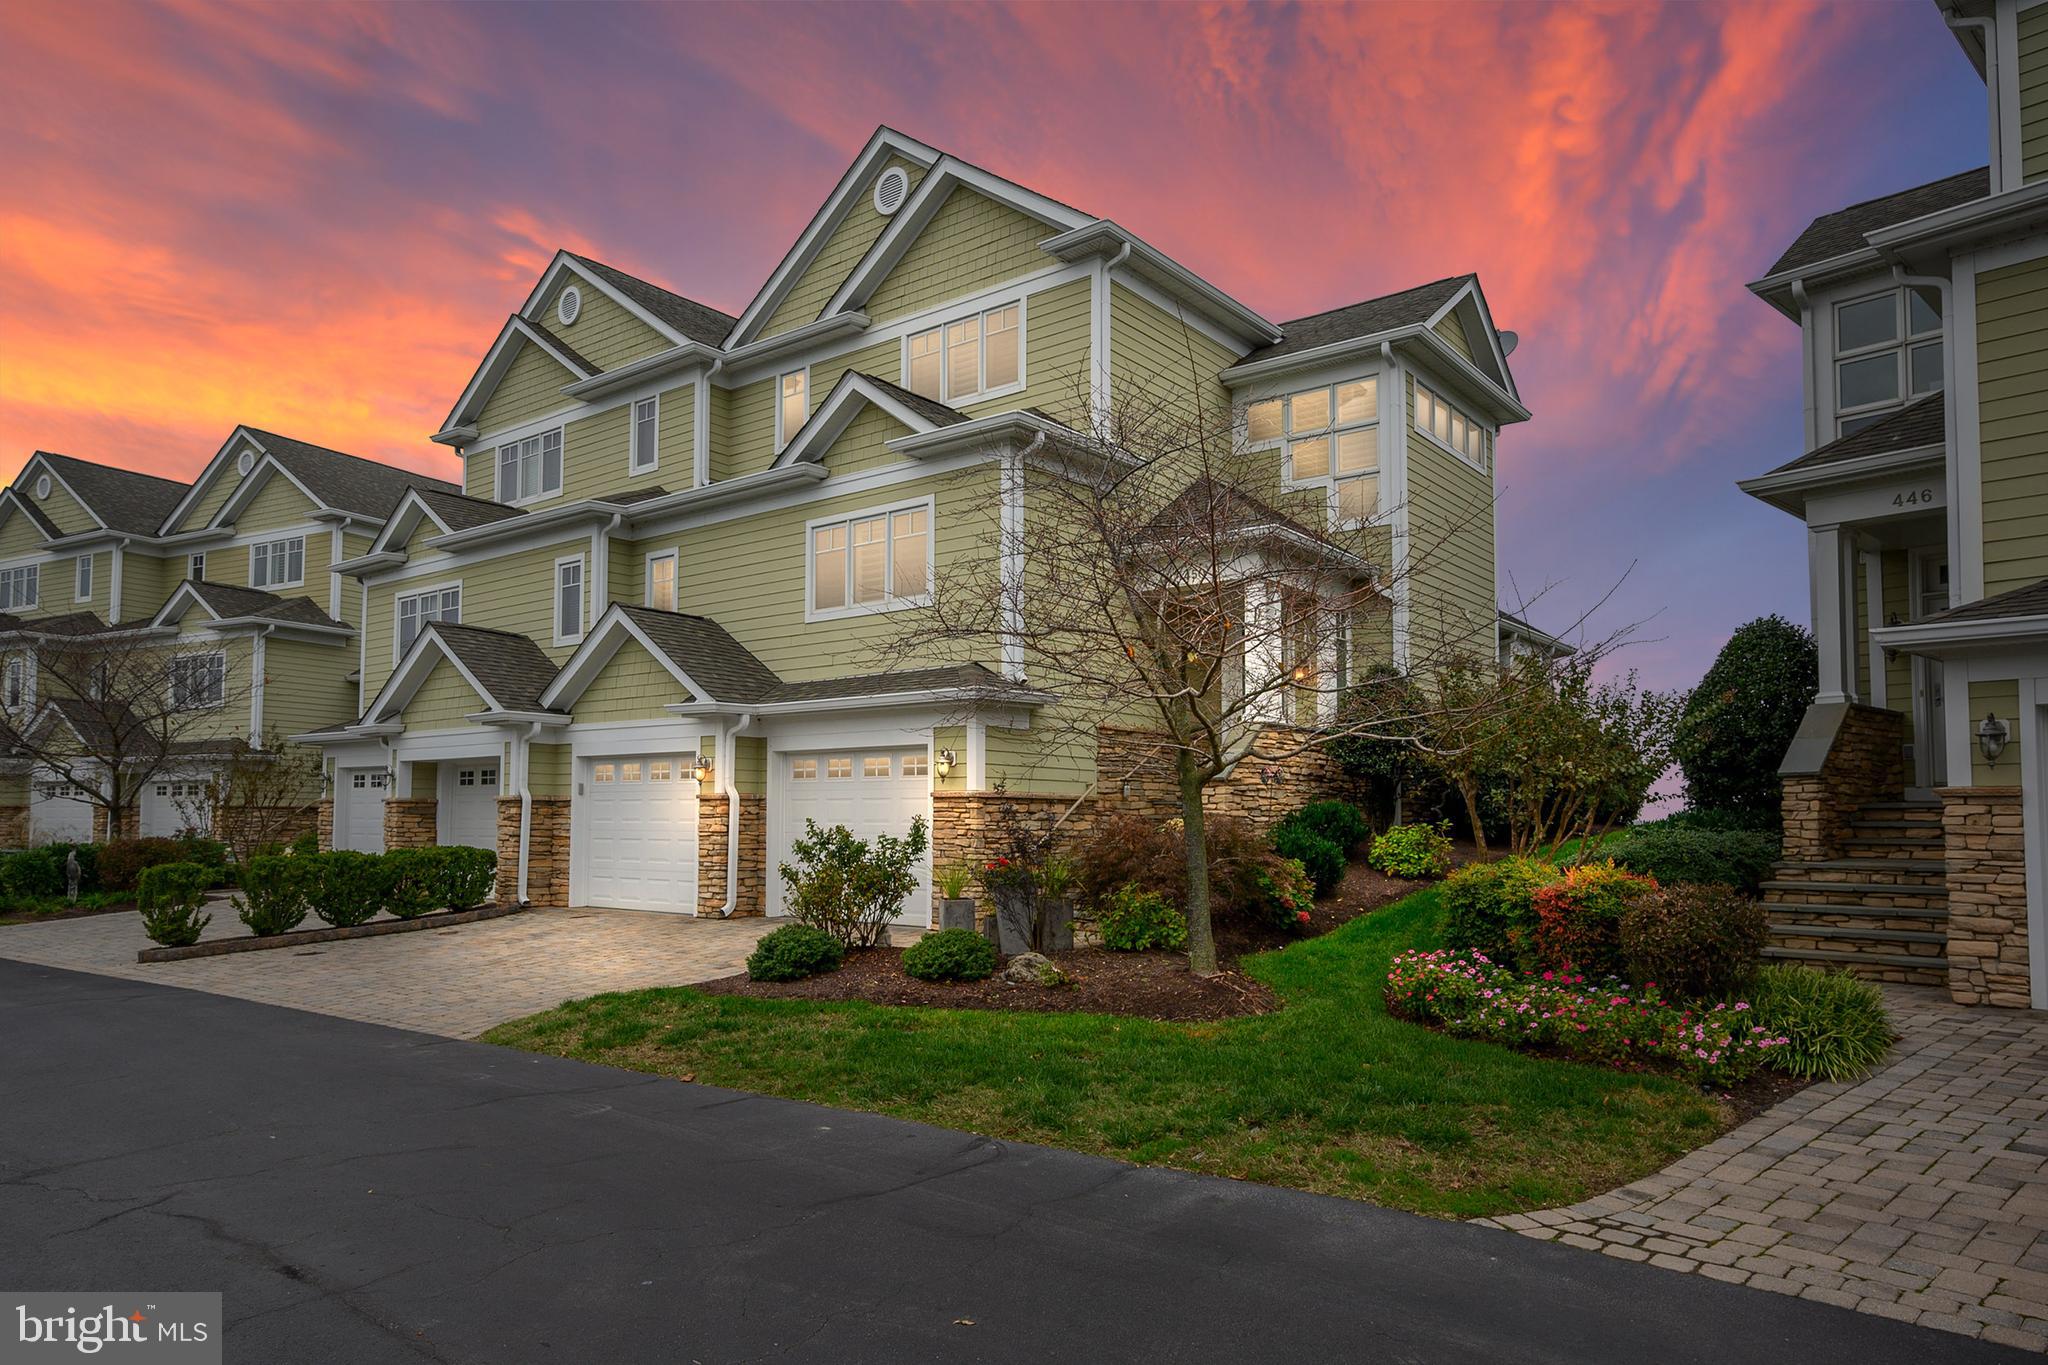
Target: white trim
{"points": [[782, 437], [1101, 237], [1160, 299], [82, 573], [700, 433], [252, 485], [118, 554], [546, 494], [829, 420], [983, 393], [36, 461], [1966, 462], [336, 552], [257, 687], [1011, 570], [892, 602], [398, 652], [592, 657], [633, 467], [673, 553], [1873, 613], [1099, 325], [411, 674], [563, 261], [497, 360], [188, 656], [256, 547], [2033, 693], [566, 638]]}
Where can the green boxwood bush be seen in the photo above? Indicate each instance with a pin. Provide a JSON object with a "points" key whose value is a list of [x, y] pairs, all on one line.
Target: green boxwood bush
{"points": [[38, 873], [1342, 823], [345, 887], [411, 882], [1489, 907], [1133, 919], [169, 896], [468, 876], [273, 895], [1413, 851], [954, 954], [1834, 1024], [1681, 853], [794, 952], [1694, 942], [1323, 859]]}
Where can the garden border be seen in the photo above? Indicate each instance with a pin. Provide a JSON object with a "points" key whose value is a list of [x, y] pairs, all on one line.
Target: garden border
{"points": [[329, 934]]}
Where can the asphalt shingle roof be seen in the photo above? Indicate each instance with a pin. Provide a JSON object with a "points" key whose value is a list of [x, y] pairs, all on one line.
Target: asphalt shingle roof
{"points": [[1920, 423], [1844, 231], [460, 512], [703, 649], [931, 409], [2032, 600], [1407, 308], [123, 499], [230, 601], [511, 667], [348, 482], [576, 357], [697, 321], [958, 677]]}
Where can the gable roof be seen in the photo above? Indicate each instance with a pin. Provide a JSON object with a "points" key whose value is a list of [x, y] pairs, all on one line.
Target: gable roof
{"points": [[850, 394], [121, 499], [512, 669], [1210, 508], [1405, 308], [347, 483], [1919, 425], [957, 678], [12, 497], [1843, 231], [2030, 600], [226, 602], [460, 511], [703, 649], [697, 321]]}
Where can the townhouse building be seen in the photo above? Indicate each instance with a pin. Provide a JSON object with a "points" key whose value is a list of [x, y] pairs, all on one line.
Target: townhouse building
{"points": [[648, 636], [1913, 792]]}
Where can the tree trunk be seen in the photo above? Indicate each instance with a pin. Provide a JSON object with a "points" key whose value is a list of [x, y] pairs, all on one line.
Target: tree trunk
{"points": [[1201, 938], [1471, 794]]}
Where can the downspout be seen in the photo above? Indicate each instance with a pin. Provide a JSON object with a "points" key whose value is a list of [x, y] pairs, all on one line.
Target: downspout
{"points": [[601, 570], [525, 803], [730, 789], [259, 667], [1809, 372], [1987, 33], [700, 421], [1104, 318]]}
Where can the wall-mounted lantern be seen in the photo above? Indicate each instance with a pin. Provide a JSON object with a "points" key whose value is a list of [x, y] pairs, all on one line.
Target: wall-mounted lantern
{"points": [[702, 770], [942, 763], [1992, 733]]}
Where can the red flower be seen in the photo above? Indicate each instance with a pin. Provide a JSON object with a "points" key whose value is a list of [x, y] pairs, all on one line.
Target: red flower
{"points": [[1301, 915]]}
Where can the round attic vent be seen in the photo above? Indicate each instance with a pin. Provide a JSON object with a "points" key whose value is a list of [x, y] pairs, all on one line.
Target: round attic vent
{"points": [[245, 462], [891, 190], [42, 486], [569, 305]]}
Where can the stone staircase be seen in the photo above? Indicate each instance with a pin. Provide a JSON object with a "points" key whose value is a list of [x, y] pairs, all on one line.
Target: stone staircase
{"points": [[1880, 909]]}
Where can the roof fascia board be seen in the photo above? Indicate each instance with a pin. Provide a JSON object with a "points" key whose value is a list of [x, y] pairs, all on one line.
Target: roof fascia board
{"points": [[1101, 236], [206, 477], [595, 654], [867, 701], [397, 530], [1888, 462], [11, 501], [1994, 215], [836, 413], [495, 362], [1961, 635], [565, 262], [251, 485], [796, 339], [412, 672], [51, 470], [687, 356], [1502, 378]]}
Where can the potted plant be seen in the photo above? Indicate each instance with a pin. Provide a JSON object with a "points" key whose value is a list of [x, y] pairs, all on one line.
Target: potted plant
{"points": [[1056, 905], [956, 907], [1013, 887]]}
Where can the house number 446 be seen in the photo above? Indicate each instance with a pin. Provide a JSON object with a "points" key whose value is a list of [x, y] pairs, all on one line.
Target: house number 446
{"points": [[1913, 498]]}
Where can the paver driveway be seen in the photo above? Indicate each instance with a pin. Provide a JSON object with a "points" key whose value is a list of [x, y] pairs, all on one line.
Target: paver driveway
{"points": [[456, 981]]}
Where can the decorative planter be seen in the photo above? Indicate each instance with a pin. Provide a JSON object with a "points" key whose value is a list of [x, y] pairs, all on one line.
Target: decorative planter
{"points": [[1016, 918], [440, 919], [1056, 925], [956, 912]]}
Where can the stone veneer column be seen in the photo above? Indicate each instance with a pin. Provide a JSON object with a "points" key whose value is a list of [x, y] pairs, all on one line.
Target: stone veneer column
{"points": [[1843, 756], [411, 822], [751, 897], [13, 826], [547, 858], [1983, 843], [323, 823]]}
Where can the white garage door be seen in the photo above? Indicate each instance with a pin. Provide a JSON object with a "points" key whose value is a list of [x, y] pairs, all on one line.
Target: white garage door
{"points": [[870, 791], [359, 808], [56, 815], [637, 838], [468, 809], [173, 805]]}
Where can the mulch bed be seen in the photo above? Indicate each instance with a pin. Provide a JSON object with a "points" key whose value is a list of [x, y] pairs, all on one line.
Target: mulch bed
{"points": [[1759, 1093], [67, 912]]}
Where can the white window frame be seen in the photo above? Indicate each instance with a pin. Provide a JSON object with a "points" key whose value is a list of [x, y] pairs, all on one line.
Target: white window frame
{"points": [[1902, 345], [12, 578], [82, 579], [675, 557], [563, 634], [261, 551], [1327, 482], [539, 438], [1484, 460], [216, 663], [398, 601], [195, 567], [982, 392], [783, 432], [16, 675], [891, 601], [633, 461]]}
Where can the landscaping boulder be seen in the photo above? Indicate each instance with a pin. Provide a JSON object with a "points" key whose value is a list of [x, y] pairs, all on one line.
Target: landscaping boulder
{"points": [[1031, 969]]}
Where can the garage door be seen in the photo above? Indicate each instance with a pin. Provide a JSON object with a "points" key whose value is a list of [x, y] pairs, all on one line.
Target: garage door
{"points": [[870, 791], [468, 809], [171, 806], [56, 815], [359, 810], [637, 839]]}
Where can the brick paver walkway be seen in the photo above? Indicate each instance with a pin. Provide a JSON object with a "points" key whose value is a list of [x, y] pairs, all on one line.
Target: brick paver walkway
{"points": [[457, 981], [1919, 1193]]}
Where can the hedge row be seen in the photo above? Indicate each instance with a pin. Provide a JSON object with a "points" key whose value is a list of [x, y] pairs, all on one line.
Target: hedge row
{"points": [[341, 888]]}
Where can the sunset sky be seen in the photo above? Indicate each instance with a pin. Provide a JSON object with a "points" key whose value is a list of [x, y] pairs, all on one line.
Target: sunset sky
{"points": [[313, 218]]}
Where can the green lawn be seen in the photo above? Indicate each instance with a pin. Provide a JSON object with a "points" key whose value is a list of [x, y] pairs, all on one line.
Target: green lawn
{"points": [[1327, 1094]]}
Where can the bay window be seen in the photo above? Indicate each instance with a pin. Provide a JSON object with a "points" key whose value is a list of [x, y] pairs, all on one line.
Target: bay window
{"points": [[966, 358], [531, 468], [872, 562]]}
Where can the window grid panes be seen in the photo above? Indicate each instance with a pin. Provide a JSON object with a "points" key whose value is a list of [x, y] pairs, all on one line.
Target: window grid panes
{"points": [[967, 357], [646, 432], [794, 405], [875, 765], [1887, 351], [1449, 426], [569, 598], [878, 561], [84, 577], [531, 468], [278, 563], [416, 609], [20, 587], [661, 582], [198, 681], [195, 568], [1329, 438]]}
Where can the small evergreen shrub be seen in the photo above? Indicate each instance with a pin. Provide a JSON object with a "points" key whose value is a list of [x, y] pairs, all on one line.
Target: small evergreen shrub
{"points": [[1133, 919], [1322, 858], [38, 873], [1416, 851], [794, 952], [1696, 942], [1489, 908], [1578, 919], [169, 896], [307, 845], [950, 955], [412, 882], [1342, 823], [273, 895], [467, 877], [1834, 1024], [1688, 853], [1744, 712], [121, 861], [345, 887]]}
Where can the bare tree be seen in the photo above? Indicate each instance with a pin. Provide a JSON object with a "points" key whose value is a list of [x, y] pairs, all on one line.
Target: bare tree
{"points": [[255, 796], [111, 710]]}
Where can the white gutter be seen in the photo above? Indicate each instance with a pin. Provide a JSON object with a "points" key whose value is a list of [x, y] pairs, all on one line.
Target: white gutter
{"points": [[524, 746], [674, 358], [257, 685], [728, 756]]}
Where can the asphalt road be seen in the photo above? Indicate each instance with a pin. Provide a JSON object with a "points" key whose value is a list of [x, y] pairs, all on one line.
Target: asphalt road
{"points": [[364, 1195]]}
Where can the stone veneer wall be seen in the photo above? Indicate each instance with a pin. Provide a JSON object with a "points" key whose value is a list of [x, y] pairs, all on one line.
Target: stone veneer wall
{"points": [[751, 897], [130, 824], [1137, 776], [547, 859], [13, 826], [961, 823], [323, 823], [1844, 756], [411, 822], [1983, 843]]}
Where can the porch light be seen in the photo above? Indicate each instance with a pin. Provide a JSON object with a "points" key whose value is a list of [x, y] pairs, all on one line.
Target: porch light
{"points": [[1992, 733], [702, 770], [942, 763]]}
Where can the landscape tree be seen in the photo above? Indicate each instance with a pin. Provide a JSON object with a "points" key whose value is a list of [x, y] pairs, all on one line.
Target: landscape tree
{"points": [[1738, 721], [255, 797]]}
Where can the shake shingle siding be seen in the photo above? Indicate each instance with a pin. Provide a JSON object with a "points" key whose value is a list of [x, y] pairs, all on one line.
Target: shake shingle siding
{"points": [[604, 333], [836, 259], [2033, 63], [971, 243]]}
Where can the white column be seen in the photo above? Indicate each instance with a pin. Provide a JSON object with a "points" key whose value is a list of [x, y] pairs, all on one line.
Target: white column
{"points": [[1263, 659], [1873, 590], [1831, 572]]}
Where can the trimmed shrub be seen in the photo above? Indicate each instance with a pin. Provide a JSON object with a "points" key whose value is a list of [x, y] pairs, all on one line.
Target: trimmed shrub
{"points": [[1133, 919], [955, 954], [345, 888], [794, 952], [1249, 883], [1124, 849], [1282, 893], [1323, 859], [1834, 1024], [468, 877], [1673, 854], [1578, 919], [121, 860], [411, 882], [1490, 907], [169, 896], [273, 895], [1737, 723], [1342, 823], [1413, 851], [38, 873], [1695, 942]]}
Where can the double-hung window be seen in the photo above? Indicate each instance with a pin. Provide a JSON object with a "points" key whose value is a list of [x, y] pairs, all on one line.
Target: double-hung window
{"points": [[198, 681], [1450, 427], [195, 567], [1328, 438], [83, 586], [646, 434], [661, 581], [418, 608], [278, 563], [20, 587], [877, 561], [531, 468], [16, 683], [969, 357], [1887, 350], [792, 405], [569, 600]]}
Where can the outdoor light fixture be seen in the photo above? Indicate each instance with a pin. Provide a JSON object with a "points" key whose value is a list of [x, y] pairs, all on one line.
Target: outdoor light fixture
{"points": [[943, 763], [1992, 733], [702, 772], [1301, 673]]}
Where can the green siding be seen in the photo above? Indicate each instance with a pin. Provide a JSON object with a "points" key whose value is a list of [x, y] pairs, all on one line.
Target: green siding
{"points": [[20, 537], [2003, 698], [547, 770], [513, 592], [750, 765], [972, 242], [531, 388], [597, 450], [1048, 758], [146, 581], [306, 685], [1056, 329], [633, 686], [64, 511], [883, 361], [2012, 356], [604, 333], [836, 259], [1453, 331], [1155, 358], [1453, 607], [226, 479], [2033, 63], [860, 446], [442, 701], [742, 429], [276, 505]]}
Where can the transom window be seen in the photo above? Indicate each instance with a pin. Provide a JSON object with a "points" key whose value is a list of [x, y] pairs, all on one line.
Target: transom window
{"points": [[875, 562], [20, 587], [1887, 349], [793, 405], [964, 359], [661, 581], [199, 681], [1437, 418], [84, 592], [646, 434], [568, 599], [1328, 438], [278, 563], [416, 609], [531, 468]]}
